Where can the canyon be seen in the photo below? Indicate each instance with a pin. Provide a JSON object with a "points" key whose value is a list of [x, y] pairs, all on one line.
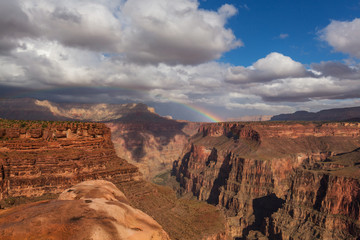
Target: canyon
{"points": [[40, 159], [233, 180], [151, 143], [277, 180], [140, 136]]}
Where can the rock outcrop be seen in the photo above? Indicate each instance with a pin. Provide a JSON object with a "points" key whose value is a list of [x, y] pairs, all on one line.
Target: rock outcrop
{"points": [[140, 136], [89, 210], [278, 180], [47, 157]]}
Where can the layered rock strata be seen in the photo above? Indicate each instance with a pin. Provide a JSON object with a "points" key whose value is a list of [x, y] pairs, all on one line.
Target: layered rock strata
{"points": [[151, 144], [182, 219], [278, 180], [47, 157], [140, 135], [90, 210], [38, 158]]}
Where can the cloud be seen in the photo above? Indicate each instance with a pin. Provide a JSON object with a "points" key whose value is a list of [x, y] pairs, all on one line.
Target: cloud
{"points": [[144, 32], [14, 24], [154, 51], [337, 69], [283, 36], [300, 89], [176, 32], [46, 64], [273, 66], [277, 78], [269, 108], [343, 36]]}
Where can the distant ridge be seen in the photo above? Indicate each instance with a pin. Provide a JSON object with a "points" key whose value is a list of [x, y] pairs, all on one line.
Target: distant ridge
{"points": [[32, 109], [335, 114]]}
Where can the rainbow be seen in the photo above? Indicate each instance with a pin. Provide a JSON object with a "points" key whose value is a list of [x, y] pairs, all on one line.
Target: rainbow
{"points": [[199, 110], [212, 117]]}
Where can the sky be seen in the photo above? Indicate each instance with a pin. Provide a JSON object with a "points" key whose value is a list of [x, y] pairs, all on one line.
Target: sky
{"points": [[204, 60]]}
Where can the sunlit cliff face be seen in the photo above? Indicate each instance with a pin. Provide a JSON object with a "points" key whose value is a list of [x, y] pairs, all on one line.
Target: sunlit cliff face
{"points": [[93, 112]]}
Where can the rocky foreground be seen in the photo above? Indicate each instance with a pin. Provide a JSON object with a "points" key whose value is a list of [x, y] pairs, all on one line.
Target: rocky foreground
{"points": [[278, 180], [89, 210]]}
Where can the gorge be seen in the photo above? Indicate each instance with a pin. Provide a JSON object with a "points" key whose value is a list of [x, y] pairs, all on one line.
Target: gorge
{"points": [[251, 180], [40, 159], [278, 180]]}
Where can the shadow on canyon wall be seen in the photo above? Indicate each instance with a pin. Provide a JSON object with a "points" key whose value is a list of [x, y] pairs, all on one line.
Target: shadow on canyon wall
{"points": [[263, 208], [163, 130]]}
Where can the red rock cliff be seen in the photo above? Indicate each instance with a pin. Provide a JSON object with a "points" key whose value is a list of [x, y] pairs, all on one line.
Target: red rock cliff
{"points": [[278, 180], [47, 157]]}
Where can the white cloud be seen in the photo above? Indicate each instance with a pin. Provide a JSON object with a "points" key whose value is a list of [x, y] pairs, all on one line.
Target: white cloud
{"points": [[283, 35], [273, 66], [227, 11], [152, 31], [343, 36], [176, 32]]}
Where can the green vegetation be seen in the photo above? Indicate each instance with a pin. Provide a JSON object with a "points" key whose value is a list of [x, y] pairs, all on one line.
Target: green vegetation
{"points": [[165, 179], [162, 178], [29, 124]]}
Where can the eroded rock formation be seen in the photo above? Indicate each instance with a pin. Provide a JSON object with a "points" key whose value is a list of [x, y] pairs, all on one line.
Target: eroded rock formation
{"points": [[141, 136], [89, 210], [40, 158], [278, 180], [47, 157]]}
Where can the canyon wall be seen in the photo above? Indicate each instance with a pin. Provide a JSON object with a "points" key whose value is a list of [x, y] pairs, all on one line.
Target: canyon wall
{"points": [[278, 180], [152, 145], [140, 136], [38, 158], [47, 157]]}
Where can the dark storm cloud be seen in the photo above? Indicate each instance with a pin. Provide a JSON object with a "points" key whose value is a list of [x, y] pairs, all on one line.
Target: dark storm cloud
{"points": [[337, 69], [14, 24], [11, 92], [73, 94], [65, 15]]}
